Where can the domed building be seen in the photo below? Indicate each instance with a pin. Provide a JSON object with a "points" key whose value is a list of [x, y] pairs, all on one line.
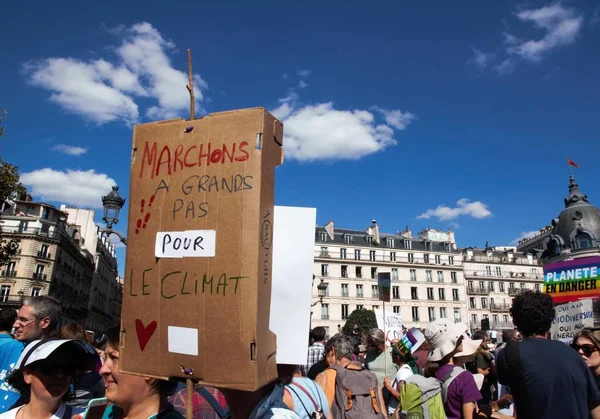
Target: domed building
{"points": [[576, 231]]}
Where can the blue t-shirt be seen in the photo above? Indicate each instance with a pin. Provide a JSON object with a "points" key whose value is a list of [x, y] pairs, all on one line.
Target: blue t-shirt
{"points": [[559, 384], [10, 351]]}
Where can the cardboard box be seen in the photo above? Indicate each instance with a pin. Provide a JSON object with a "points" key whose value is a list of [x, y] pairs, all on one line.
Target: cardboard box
{"points": [[199, 256]]}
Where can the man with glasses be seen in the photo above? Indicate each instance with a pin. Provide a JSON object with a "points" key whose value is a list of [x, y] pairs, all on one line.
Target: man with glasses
{"points": [[37, 319]]}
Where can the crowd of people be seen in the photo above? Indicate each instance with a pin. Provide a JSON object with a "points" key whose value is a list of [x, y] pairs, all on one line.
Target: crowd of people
{"points": [[439, 372]]}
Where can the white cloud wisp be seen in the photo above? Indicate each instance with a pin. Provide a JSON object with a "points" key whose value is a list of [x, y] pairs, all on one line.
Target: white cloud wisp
{"points": [[69, 149], [321, 132], [524, 235], [561, 26], [75, 187], [481, 59], [102, 92], [464, 207]]}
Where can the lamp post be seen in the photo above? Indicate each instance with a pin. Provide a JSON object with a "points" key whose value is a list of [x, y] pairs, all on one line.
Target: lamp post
{"points": [[112, 204]]}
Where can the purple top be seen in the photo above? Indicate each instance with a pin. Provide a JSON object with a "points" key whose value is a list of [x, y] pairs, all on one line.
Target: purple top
{"points": [[462, 390]]}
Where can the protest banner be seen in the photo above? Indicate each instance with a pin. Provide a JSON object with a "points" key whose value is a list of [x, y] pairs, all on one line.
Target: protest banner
{"points": [[293, 258], [572, 280], [391, 323], [571, 318], [197, 289]]}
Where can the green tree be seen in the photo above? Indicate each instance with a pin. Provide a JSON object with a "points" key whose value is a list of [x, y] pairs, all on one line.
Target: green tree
{"points": [[9, 187], [364, 319]]}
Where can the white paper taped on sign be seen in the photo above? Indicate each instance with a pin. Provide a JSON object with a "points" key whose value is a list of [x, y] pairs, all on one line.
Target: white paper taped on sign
{"points": [[391, 324], [185, 244], [183, 340]]}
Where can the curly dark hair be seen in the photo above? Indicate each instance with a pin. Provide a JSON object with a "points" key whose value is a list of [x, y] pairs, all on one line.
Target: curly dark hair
{"points": [[533, 313]]}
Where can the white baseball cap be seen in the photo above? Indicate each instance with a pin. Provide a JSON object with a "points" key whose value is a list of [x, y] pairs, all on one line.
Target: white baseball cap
{"points": [[81, 354]]}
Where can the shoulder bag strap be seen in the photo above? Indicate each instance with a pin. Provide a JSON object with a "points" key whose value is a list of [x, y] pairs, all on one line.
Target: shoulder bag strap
{"points": [[223, 413], [516, 374], [298, 396], [68, 412], [307, 393]]}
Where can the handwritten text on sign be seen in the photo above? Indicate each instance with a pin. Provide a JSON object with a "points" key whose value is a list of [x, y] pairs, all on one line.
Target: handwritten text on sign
{"points": [[391, 324], [185, 244]]}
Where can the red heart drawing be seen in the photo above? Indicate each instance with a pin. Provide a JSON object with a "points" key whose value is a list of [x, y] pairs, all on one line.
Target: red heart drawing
{"points": [[144, 333]]}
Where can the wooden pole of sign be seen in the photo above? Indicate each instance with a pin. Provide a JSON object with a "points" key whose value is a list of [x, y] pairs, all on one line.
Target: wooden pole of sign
{"points": [[385, 357], [189, 406], [190, 86]]}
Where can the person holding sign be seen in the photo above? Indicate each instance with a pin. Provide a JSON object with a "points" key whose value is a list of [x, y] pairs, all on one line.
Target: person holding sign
{"points": [[587, 344], [132, 396]]}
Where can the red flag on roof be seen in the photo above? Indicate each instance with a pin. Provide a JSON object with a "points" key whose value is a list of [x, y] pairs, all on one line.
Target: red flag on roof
{"points": [[572, 163]]}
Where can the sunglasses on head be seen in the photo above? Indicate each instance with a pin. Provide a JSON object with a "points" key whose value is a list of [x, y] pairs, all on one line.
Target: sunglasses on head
{"points": [[587, 350], [52, 368]]}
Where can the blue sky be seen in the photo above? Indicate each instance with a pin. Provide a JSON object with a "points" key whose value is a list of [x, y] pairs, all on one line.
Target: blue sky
{"points": [[460, 114]]}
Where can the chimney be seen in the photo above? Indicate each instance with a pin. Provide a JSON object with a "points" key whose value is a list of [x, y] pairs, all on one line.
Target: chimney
{"points": [[374, 230], [451, 239], [329, 229], [406, 233]]}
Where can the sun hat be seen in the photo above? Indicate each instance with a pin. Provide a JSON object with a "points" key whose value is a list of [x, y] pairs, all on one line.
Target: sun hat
{"points": [[81, 354], [443, 335], [410, 342]]}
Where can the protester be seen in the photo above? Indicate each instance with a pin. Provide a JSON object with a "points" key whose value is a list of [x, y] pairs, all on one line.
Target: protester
{"points": [[131, 396], [301, 394], [504, 404], [547, 378], [587, 344], [44, 371], [407, 366], [88, 384], [362, 353], [483, 363], [316, 350], [38, 318], [375, 359], [448, 341], [340, 355], [10, 350]]}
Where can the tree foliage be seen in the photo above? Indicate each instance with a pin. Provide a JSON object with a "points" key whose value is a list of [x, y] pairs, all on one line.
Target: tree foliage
{"points": [[9, 187], [364, 319]]}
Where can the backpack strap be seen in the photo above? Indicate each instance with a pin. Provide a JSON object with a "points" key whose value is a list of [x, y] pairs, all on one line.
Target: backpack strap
{"points": [[68, 412], [516, 375], [223, 413], [448, 378]]}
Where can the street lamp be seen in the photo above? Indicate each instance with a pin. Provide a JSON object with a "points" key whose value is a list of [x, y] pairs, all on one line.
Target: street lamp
{"points": [[112, 204], [321, 292]]}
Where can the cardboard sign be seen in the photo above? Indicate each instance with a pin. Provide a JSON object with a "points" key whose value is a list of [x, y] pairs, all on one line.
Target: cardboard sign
{"points": [[384, 284], [391, 324], [572, 280], [571, 318], [199, 256], [293, 258]]}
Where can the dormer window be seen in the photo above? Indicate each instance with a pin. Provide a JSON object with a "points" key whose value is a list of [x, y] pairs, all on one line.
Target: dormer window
{"points": [[348, 238], [582, 241], [407, 244], [322, 236], [369, 239], [390, 242], [428, 245]]}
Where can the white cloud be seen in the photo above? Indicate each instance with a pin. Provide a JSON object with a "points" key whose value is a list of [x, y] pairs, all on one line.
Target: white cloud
{"points": [[561, 26], [524, 235], [75, 187], [506, 67], [102, 91], [475, 209], [321, 132], [304, 73], [302, 84], [69, 149], [481, 59], [396, 118]]}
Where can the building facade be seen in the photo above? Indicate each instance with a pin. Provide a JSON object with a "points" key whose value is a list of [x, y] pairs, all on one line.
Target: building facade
{"points": [[493, 277], [103, 309], [49, 261], [426, 275]]}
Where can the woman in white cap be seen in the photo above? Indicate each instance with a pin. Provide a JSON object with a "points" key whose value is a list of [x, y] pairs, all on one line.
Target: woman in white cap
{"points": [[43, 375], [448, 341]]}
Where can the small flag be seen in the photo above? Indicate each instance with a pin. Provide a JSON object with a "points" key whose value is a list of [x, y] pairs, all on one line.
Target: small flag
{"points": [[572, 163]]}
